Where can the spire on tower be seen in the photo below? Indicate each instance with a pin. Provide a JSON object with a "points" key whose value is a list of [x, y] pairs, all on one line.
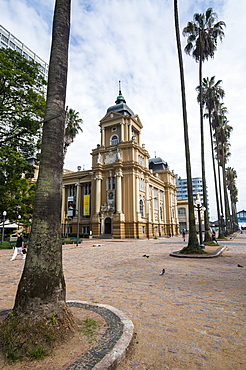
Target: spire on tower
{"points": [[120, 97]]}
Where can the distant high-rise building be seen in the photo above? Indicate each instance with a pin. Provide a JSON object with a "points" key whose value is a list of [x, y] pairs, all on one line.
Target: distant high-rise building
{"points": [[182, 192], [7, 40], [182, 199]]}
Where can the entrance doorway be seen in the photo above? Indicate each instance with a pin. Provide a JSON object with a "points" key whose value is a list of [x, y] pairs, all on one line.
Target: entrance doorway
{"points": [[107, 224]]}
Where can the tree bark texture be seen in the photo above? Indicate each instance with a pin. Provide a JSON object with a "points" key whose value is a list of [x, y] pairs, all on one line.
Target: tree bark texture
{"points": [[208, 236], [41, 290], [193, 241]]}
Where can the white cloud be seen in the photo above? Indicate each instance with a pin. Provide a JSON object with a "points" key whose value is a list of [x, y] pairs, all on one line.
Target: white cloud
{"points": [[134, 41]]}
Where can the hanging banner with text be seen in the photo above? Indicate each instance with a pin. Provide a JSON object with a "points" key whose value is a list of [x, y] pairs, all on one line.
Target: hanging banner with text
{"points": [[87, 199]]}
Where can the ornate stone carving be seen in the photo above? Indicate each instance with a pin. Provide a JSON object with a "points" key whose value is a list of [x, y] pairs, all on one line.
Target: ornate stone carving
{"points": [[107, 207]]}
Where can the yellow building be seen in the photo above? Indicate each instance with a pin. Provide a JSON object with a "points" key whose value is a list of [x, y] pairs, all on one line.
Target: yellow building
{"points": [[125, 194]]}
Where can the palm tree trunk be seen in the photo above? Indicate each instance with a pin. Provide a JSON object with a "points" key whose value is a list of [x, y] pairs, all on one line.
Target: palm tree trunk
{"points": [[215, 178], [226, 201], [193, 241], [208, 236], [41, 291]]}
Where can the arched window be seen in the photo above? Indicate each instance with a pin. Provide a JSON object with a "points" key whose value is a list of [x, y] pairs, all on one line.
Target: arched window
{"points": [[114, 140], [141, 208]]}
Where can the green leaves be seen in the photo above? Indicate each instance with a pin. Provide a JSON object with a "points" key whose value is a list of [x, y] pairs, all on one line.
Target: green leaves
{"points": [[22, 105]]}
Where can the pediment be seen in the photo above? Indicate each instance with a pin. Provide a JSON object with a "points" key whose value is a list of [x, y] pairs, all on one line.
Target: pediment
{"points": [[111, 116]]}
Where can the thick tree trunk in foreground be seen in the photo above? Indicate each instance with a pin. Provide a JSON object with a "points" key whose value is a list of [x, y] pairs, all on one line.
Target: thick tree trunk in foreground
{"points": [[193, 241], [41, 291]]}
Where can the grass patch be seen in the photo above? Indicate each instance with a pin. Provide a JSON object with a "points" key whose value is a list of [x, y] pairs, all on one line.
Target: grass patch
{"points": [[24, 339], [6, 245], [89, 327], [193, 250], [211, 244]]}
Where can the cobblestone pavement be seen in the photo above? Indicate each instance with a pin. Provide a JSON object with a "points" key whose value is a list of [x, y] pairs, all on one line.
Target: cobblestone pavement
{"points": [[192, 317]]}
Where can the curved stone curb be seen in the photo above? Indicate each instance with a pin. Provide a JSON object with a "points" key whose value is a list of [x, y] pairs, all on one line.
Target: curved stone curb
{"points": [[216, 253], [111, 349]]}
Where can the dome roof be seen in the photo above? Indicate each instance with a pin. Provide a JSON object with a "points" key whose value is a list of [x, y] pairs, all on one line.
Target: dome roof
{"points": [[157, 164], [120, 105]]}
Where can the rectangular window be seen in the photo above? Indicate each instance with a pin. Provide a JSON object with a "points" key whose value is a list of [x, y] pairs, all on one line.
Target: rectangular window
{"points": [[72, 190], [4, 38], [111, 184], [86, 230], [87, 189]]}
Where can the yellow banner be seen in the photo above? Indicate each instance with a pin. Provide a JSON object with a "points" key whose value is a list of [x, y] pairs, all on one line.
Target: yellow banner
{"points": [[87, 199]]}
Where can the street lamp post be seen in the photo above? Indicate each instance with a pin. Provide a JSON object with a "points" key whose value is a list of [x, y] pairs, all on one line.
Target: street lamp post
{"points": [[4, 216], [200, 208]]}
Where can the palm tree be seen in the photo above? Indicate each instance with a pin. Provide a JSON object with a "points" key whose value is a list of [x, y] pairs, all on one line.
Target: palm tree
{"points": [[212, 93], [193, 241], [41, 292], [222, 134], [219, 114], [72, 128], [231, 176], [202, 34]]}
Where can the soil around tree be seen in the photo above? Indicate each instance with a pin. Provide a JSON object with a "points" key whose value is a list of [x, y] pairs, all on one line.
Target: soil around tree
{"points": [[69, 351]]}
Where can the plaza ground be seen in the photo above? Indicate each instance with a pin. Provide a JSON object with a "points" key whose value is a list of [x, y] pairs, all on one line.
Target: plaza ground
{"points": [[192, 317]]}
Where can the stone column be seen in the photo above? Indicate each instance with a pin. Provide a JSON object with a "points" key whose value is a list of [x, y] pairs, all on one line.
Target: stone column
{"points": [[119, 192], [98, 180], [137, 196], [147, 205], [78, 197], [122, 131], [102, 136], [130, 132]]}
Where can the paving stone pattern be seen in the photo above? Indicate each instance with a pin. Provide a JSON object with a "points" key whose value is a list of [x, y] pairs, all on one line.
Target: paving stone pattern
{"points": [[190, 318]]}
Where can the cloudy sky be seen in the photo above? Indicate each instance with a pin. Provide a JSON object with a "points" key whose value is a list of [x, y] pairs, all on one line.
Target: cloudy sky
{"points": [[134, 41]]}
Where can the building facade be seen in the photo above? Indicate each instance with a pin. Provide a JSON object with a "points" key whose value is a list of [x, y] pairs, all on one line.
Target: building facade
{"points": [[182, 192], [7, 40], [182, 199], [125, 194]]}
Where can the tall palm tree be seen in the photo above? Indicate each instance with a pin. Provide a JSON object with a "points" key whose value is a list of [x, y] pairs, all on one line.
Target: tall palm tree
{"points": [[72, 128], [212, 93], [231, 175], [41, 291], [202, 34], [193, 241], [222, 134], [218, 115]]}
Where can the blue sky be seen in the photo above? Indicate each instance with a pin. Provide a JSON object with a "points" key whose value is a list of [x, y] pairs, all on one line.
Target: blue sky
{"points": [[134, 41]]}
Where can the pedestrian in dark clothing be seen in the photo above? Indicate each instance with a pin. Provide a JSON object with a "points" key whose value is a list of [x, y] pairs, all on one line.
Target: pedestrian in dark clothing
{"points": [[214, 237], [18, 247], [183, 234]]}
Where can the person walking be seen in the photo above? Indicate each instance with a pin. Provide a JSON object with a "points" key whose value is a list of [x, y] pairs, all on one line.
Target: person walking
{"points": [[18, 247], [183, 234], [214, 237]]}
